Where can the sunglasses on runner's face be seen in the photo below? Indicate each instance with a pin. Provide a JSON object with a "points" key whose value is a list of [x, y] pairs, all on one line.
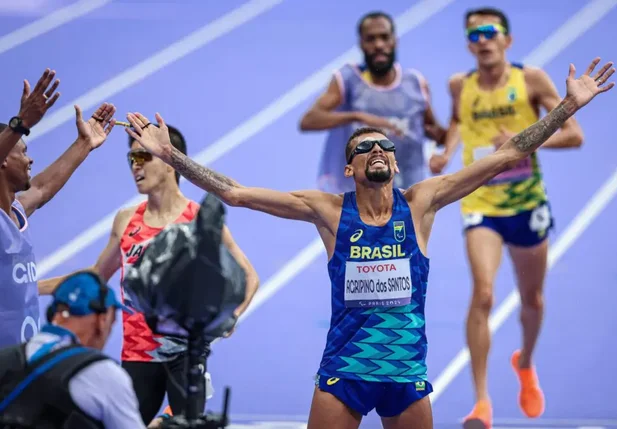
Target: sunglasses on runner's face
{"points": [[139, 157], [488, 31], [367, 145]]}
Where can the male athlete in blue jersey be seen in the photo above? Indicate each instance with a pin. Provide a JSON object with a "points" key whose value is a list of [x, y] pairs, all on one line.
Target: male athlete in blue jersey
{"points": [[376, 240]]}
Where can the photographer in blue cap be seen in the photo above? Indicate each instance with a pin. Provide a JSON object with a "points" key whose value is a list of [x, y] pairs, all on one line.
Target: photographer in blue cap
{"points": [[60, 378]]}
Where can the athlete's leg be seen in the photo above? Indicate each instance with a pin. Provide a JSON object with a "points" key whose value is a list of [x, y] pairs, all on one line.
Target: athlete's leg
{"points": [[418, 415], [406, 406], [149, 386], [484, 248], [327, 411], [530, 265]]}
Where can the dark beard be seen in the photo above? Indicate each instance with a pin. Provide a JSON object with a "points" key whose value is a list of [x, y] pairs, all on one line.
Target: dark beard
{"points": [[380, 69], [25, 186], [379, 176]]}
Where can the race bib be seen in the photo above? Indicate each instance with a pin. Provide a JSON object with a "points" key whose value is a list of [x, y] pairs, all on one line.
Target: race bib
{"points": [[540, 219], [523, 170], [384, 283]]}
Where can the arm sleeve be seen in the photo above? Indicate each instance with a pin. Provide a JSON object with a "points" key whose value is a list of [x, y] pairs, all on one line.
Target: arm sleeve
{"points": [[105, 392]]}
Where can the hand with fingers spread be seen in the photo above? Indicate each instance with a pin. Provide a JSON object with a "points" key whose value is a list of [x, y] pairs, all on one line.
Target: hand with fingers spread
{"points": [[95, 131], [582, 90], [155, 139], [35, 103]]}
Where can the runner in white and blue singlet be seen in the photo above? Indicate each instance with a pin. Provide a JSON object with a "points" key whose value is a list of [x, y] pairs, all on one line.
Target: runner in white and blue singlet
{"points": [[21, 196], [378, 92], [376, 240]]}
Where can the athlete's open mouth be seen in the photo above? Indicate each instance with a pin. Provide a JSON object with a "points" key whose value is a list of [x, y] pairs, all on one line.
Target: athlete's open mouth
{"points": [[378, 161], [139, 178], [380, 57]]}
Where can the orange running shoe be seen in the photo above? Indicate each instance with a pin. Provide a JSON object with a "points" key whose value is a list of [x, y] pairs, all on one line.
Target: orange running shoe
{"points": [[481, 417], [530, 397]]}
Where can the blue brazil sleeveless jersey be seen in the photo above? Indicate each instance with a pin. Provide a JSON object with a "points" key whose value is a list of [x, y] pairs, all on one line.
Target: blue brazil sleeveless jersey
{"points": [[379, 279]]}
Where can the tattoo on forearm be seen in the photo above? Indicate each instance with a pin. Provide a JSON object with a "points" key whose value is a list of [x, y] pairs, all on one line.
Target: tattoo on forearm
{"points": [[205, 178], [532, 137]]}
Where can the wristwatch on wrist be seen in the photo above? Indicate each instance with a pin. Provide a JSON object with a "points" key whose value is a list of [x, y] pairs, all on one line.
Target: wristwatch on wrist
{"points": [[16, 124]]}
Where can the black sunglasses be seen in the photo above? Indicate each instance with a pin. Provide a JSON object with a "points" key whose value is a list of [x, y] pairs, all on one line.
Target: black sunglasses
{"points": [[367, 145], [138, 156]]}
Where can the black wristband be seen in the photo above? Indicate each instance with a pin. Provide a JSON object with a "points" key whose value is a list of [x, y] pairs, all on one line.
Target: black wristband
{"points": [[16, 124]]}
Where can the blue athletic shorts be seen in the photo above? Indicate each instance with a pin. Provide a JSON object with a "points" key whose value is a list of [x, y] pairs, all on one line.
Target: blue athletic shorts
{"points": [[524, 229], [388, 399]]}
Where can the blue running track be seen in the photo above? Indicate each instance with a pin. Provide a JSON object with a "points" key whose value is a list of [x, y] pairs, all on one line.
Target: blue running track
{"points": [[214, 90]]}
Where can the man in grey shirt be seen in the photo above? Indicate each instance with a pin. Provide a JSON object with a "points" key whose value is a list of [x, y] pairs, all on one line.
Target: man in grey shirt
{"points": [[83, 384]]}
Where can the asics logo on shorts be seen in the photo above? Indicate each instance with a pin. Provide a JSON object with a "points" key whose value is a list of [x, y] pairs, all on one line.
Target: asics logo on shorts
{"points": [[332, 381], [356, 236]]}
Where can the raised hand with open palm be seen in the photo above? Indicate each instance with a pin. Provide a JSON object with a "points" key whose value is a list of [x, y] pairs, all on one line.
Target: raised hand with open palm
{"points": [[582, 90], [95, 130]]}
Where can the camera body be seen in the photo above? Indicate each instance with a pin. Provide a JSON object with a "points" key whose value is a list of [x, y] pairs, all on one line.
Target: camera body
{"points": [[207, 421], [187, 284]]}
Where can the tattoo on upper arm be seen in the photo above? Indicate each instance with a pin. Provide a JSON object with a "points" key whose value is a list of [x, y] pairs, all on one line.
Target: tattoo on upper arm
{"points": [[533, 136], [211, 180]]}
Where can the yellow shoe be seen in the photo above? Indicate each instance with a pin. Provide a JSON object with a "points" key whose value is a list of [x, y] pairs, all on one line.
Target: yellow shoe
{"points": [[530, 397]]}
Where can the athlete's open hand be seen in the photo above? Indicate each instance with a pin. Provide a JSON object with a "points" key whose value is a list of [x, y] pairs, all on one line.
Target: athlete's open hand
{"points": [[95, 131], [36, 102], [586, 87], [155, 139]]}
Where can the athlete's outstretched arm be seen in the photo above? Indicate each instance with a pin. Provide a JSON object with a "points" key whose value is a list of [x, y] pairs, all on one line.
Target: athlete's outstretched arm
{"points": [[91, 135], [444, 190], [34, 104], [543, 89], [300, 205]]}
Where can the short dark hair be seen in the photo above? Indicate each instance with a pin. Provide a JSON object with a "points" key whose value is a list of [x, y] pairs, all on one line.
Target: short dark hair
{"points": [[360, 132], [177, 141], [373, 15], [489, 11]]}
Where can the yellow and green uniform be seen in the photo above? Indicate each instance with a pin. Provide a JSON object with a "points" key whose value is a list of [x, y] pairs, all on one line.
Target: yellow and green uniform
{"points": [[481, 115]]}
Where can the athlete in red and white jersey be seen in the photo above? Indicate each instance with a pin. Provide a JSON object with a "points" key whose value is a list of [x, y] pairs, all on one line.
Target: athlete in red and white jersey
{"points": [[139, 343], [155, 363]]}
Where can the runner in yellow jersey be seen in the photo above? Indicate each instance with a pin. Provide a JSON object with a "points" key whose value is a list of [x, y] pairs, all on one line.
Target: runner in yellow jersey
{"points": [[491, 104]]}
